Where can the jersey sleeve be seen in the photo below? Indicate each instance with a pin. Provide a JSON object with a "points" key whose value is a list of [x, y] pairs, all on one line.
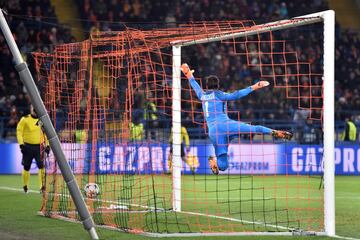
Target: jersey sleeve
{"points": [[185, 136], [198, 90], [234, 95], [20, 131]]}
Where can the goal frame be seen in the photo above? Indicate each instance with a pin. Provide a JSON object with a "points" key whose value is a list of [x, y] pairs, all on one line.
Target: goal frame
{"points": [[328, 19]]}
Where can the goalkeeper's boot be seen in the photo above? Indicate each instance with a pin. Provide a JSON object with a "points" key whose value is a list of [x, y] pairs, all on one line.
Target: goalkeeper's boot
{"points": [[25, 189], [282, 134], [213, 165]]}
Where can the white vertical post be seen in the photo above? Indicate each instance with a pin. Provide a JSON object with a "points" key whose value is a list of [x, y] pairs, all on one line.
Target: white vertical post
{"points": [[176, 128], [328, 121]]}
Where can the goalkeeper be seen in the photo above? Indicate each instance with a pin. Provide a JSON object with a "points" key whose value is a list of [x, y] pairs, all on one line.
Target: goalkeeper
{"points": [[221, 128], [31, 140]]}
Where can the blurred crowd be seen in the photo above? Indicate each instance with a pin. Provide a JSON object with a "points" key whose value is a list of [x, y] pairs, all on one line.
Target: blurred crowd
{"points": [[39, 31], [35, 28]]}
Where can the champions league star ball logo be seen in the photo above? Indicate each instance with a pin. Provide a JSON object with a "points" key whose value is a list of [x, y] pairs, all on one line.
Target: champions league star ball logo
{"points": [[92, 190]]}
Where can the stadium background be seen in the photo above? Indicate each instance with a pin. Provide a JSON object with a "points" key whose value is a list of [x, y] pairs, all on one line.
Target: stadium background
{"points": [[40, 25]]}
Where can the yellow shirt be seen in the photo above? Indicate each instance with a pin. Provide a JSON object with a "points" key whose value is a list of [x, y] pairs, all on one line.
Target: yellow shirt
{"points": [[184, 137], [28, 130], [136, 131], [81, 136]]}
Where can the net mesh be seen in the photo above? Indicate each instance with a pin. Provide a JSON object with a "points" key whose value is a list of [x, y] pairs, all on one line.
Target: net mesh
{"points": [[110, 99]]}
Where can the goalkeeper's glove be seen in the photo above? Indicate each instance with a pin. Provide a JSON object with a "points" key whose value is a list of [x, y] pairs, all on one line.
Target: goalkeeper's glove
{"points": [[186, 70], [259, 85]]}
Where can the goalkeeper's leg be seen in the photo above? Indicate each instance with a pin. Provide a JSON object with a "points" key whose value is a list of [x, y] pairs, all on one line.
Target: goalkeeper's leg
{"points": [[282, 134], [247, 128], [220, 142]]}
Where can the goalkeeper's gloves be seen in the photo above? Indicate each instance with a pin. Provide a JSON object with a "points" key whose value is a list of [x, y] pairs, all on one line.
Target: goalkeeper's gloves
{"points": [[259, 85], [22, 148], [47, 150], [186, 70]]}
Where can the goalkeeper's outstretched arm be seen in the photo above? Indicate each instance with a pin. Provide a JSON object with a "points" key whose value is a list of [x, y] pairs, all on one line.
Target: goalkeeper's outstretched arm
{"points": [[243, 92], [189, 75], [223, 96]]}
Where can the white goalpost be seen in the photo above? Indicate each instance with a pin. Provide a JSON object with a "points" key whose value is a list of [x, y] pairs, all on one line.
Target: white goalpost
{"points": [[328, 19]]}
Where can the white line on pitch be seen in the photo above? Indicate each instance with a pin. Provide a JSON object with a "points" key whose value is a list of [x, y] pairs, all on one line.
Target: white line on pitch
{"points": [[210, 198], [199, 214], [184, 212], [346, 238], [18, 189]]}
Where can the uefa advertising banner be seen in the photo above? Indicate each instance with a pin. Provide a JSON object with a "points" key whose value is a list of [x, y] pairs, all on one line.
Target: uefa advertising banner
{"points": [[152, 159]]}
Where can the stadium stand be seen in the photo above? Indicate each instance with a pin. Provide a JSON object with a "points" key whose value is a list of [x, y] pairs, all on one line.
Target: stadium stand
{"points": [[36, 29]]}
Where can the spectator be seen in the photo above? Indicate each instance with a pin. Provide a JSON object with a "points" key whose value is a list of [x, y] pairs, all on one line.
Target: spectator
{"points": [[81, 134], [300, 117], [310, 134], [350, 132], [12, 122], [34, 35], [136, 129], [150, 119]]}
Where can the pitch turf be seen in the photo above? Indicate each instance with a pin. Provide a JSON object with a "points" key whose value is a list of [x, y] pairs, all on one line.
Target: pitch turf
{"points": [[19, 220]]}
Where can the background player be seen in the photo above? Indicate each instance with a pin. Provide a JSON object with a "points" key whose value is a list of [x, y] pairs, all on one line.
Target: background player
{"points": [[221, 128], [187, 157], [31, 139]]}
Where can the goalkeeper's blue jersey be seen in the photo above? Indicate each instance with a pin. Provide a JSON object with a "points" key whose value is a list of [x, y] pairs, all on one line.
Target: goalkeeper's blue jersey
{"points": [[214, 102]]}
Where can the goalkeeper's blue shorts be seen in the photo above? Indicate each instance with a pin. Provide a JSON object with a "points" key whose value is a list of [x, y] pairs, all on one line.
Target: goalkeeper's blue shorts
{"points": [[223, 132]]}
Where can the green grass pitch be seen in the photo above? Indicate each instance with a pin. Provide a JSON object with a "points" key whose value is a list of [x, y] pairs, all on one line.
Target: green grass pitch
{"points": [[19, 219]]}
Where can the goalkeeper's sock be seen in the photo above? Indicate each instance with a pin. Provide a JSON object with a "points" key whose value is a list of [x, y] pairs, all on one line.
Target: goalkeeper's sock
{"points": [[26, 178], [213, 165], [41, 177]]}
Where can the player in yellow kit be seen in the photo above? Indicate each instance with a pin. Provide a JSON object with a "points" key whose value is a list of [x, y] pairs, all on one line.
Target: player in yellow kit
{"points": [[187, 157], [32, 140]]}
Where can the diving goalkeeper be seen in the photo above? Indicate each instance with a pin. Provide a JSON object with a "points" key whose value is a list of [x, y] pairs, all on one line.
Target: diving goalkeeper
{"points": [[221, 128]]}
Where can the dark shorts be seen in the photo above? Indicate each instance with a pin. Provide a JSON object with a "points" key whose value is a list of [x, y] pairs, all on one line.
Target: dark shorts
{"points": [[30, 152], [182, 150]]}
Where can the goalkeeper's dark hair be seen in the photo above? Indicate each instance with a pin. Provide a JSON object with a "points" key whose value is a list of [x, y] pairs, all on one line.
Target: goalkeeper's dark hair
{"points": [[212, 82]]}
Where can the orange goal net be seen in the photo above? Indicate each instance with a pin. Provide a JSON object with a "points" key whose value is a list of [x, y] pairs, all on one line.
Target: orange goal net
{"points": [[111, 99]]}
